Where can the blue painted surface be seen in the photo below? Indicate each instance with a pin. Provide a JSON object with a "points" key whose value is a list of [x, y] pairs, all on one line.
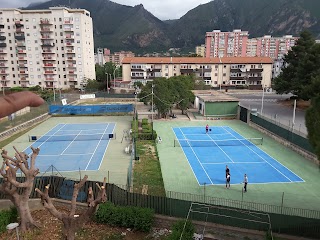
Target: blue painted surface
{"points": [[209, 162], [73, 155], [90, 109]]}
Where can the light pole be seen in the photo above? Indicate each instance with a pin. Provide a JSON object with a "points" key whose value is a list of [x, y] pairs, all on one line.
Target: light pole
{"points": [[262, 100], [152, 108], [107, 81]]}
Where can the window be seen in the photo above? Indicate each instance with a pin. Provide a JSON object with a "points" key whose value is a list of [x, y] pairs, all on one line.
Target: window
{"points": [[36, 48], [60, 26], [12, 62], [77, 19], [14, 82], [9, 34], [29, 48], [65, 76], [79, 55], [28, 34], [39, 76], [38, 62], [60, 19], [63, 69], [35, 41], [224, 74], [30, 62], [38, 69], [61, 34], [34, 27], [62, 54], [12, 69], [11, 55], [224, 66], [78, 34], [7, 19], [33, 19], [216, 74], [61, 40], [35, 34], [39, 83], [10, 41], [31, 69], [78, 41], [63, 62], [79, 63], [27, 27], [62, 48], [77, 26], [8, 27], [29, 55]]}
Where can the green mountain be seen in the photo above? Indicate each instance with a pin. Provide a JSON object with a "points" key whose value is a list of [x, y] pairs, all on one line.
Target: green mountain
{"points": [[121, 27]]}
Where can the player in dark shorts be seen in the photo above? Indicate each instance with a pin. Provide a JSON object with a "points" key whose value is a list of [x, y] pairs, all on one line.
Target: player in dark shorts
{"points": [[228, 180], [227, 171], [207, 128]]}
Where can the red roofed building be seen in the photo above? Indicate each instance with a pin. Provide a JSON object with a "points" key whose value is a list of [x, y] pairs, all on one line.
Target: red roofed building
{"points": [[216, 72]]}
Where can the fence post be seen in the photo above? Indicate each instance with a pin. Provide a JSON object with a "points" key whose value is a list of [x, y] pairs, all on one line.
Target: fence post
{"points": [[282, 201]]}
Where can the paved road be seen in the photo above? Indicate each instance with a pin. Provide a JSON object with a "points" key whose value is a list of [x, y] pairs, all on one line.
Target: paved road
{"points": [[273, 109]]}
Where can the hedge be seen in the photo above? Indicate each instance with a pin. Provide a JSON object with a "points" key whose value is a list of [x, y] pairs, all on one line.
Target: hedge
{"points": [[139, 219], [6, 217], [177, 229]]}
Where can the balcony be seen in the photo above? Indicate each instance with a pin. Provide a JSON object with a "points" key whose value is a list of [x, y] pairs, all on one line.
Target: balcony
{"points": [[3, 72], [20, 37], [68, 21], [68, 29], [22, 65], [47, 51], [48, 58], [45, 30], [22, 51], [18, 24], [48, 65], [45, 22], [3, 45], [2, 65], [255, 78], [21, 44], [2, 38], [3, 59], [49, 79], [70, 58], [46, 44], [72, 79], [1, 26], [3, 51], [47, 36], [49, 72], [23, 72], [69, 36], [186, 70], [23, 79], [255, 70], [19, 30], [71, 66], [69, 43], [21, 58], [237, 78]]}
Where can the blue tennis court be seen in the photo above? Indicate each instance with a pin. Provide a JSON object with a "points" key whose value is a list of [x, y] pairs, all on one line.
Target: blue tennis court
{"points": [[73, 147], [209, 153]]}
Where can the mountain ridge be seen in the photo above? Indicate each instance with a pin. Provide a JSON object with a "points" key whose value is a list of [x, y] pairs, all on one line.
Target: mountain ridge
{"points": [[121, 27]]}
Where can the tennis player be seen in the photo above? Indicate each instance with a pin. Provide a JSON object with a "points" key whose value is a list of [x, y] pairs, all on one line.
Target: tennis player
{"points": [[245, 181], [207, 128], [227, 170], [228, 181]]}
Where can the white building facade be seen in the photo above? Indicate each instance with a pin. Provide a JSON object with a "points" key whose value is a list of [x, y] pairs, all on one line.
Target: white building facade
{"points": [[52, 48], [254, 72]]}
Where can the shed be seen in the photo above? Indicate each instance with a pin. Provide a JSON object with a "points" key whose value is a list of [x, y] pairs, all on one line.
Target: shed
{"points": [[216, 104]]}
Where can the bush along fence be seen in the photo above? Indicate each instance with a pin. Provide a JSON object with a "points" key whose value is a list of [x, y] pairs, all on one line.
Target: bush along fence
{"points": [[307, 224]]}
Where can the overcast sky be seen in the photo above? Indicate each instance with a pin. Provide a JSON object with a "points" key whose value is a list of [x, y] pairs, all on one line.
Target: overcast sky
{"points": [[162, 9]]}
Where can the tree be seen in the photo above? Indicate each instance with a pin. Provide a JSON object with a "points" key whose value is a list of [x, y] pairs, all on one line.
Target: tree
{"points": [[12, 188], [174, 91], [301, 64], [313, 118], [71, 221], [94, 85]]}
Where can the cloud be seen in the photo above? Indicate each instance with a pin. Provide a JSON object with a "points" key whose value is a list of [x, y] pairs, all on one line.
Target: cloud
{"points": [[17, 3]]}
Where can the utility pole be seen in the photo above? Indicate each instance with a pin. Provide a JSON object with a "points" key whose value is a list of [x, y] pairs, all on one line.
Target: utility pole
{"points": [[152, 108], [262, 100]]}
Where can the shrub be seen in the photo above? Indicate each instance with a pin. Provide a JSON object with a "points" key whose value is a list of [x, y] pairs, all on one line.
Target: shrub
{"points": [[6, 217], [16, 89], [148, 136], [145, 122], [177, 229], [140, 219]]}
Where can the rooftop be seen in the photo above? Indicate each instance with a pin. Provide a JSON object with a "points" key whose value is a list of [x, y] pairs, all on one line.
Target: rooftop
{"points": [[214, 96]]}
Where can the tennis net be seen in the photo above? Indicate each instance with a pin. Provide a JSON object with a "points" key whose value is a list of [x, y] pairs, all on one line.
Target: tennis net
{"points": [[72, 137], [217, 143]]}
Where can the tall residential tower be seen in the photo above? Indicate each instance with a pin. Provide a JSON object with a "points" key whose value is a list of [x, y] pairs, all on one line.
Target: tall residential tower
{"points": [[52, 48]]}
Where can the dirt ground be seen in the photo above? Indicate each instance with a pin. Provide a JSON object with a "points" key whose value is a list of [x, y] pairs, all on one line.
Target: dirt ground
{"points": [[52, 230]]}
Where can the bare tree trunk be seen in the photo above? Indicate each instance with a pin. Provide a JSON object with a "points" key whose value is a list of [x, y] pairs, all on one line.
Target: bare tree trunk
{"points": [[26, 219], [69, 228]]}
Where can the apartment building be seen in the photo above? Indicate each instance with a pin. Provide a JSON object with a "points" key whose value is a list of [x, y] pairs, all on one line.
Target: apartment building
{"points": [[104, 55], [216, 72], [226, 44], [52, 48], [201, 50]]}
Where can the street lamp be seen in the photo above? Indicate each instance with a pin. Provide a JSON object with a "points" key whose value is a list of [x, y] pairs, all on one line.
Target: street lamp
{"points": [[107, 81]]}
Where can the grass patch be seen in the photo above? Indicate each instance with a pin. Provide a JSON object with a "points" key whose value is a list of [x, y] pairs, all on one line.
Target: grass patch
{"points": [[147, 171]]}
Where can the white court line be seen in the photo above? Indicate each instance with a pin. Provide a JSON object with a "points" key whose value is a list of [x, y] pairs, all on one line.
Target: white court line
{"points": [[260, 156], [221, 148], [195, 176], [196, 134], [197, 158], [70, 143], [66, 154], [95, 129], [105, 151], [48, 138], [229, 162], [97, 147]]}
